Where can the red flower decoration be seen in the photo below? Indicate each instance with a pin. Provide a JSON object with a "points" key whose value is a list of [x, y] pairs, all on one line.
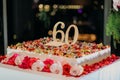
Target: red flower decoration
{"points": [[32, 60], [66, 69], [2, 57], [27, 62], [11, 60], [48, 63]]}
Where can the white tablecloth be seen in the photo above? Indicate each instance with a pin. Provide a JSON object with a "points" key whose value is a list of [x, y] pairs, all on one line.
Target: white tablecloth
{"points": [[110, 72]]}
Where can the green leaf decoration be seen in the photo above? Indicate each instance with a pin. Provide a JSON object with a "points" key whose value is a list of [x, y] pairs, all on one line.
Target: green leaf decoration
{"points": [[113, 25]]}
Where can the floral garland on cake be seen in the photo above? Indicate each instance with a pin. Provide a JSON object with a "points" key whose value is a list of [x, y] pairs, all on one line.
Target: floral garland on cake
{"points": [[52, 66], [47, 65]]}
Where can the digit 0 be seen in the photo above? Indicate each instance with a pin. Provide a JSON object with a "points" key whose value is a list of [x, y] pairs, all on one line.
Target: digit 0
{"points": [[75, 34]]}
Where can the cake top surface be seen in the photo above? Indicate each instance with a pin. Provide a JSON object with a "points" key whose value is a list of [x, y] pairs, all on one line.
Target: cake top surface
{"points": [[76, 50]]}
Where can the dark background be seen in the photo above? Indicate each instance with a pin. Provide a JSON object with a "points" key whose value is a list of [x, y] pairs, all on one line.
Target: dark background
{"points": [[1, 29], [23, 24]]}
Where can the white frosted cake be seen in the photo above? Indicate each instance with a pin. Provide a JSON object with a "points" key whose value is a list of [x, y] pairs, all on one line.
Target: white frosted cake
{"points": [[72, 50], [64, 56], [80, 53]]}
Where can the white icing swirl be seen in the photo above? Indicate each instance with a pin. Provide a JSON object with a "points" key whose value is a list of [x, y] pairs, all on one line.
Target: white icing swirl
{"points": [[38, 66], [56, 68], [76, 70]]}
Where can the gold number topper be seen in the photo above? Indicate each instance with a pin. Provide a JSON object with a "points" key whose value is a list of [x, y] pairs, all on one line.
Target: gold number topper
{"points": [[64, 36]]}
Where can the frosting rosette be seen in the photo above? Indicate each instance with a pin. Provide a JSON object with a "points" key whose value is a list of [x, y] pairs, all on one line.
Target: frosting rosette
{"points": [[56, 68], [38, 65], [19, 59], [76, 70]]}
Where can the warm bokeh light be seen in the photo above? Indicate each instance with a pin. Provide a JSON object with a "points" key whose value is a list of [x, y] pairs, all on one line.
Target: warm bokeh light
{"points": [[47, 8], [87, 37]]}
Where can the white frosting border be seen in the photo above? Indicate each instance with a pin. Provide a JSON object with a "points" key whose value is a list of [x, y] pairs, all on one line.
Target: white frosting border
{"points": [[94, 55], [88, 59]]}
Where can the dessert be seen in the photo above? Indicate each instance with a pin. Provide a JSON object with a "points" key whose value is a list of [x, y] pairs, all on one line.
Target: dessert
{"points": [[34, 64], [63, 48], [81, 52], [59, 56]]}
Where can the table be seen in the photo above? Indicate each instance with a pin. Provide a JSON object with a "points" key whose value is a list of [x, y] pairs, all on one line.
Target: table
{"points": [[110, 72]]}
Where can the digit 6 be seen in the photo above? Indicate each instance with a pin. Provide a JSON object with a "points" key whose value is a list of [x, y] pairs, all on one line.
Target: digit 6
{"points": [[59, 31]]}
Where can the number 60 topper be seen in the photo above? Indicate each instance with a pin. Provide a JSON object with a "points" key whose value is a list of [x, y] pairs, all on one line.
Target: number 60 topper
{"points": [[64, 36]]}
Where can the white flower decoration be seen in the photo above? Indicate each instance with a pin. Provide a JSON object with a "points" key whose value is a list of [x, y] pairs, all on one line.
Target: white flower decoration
{"points": [[116, 3], [19, 59], [76, 70], [56, 68], [38, 66]]}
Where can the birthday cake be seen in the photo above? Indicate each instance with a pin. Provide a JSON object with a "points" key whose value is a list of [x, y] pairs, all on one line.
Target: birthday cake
{"points": [[73, 51], [59, 55]]}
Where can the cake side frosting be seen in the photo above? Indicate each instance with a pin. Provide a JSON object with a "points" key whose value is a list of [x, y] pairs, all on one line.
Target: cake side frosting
{"points": [[88, 59], [28, 62], [95, 57]]}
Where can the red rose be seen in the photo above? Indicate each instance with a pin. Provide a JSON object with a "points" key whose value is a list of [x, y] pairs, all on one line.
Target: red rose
{"points": [[11, 60], [2, 57], [66, 69], [27, 62], [48, 63], [32, 60]]}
